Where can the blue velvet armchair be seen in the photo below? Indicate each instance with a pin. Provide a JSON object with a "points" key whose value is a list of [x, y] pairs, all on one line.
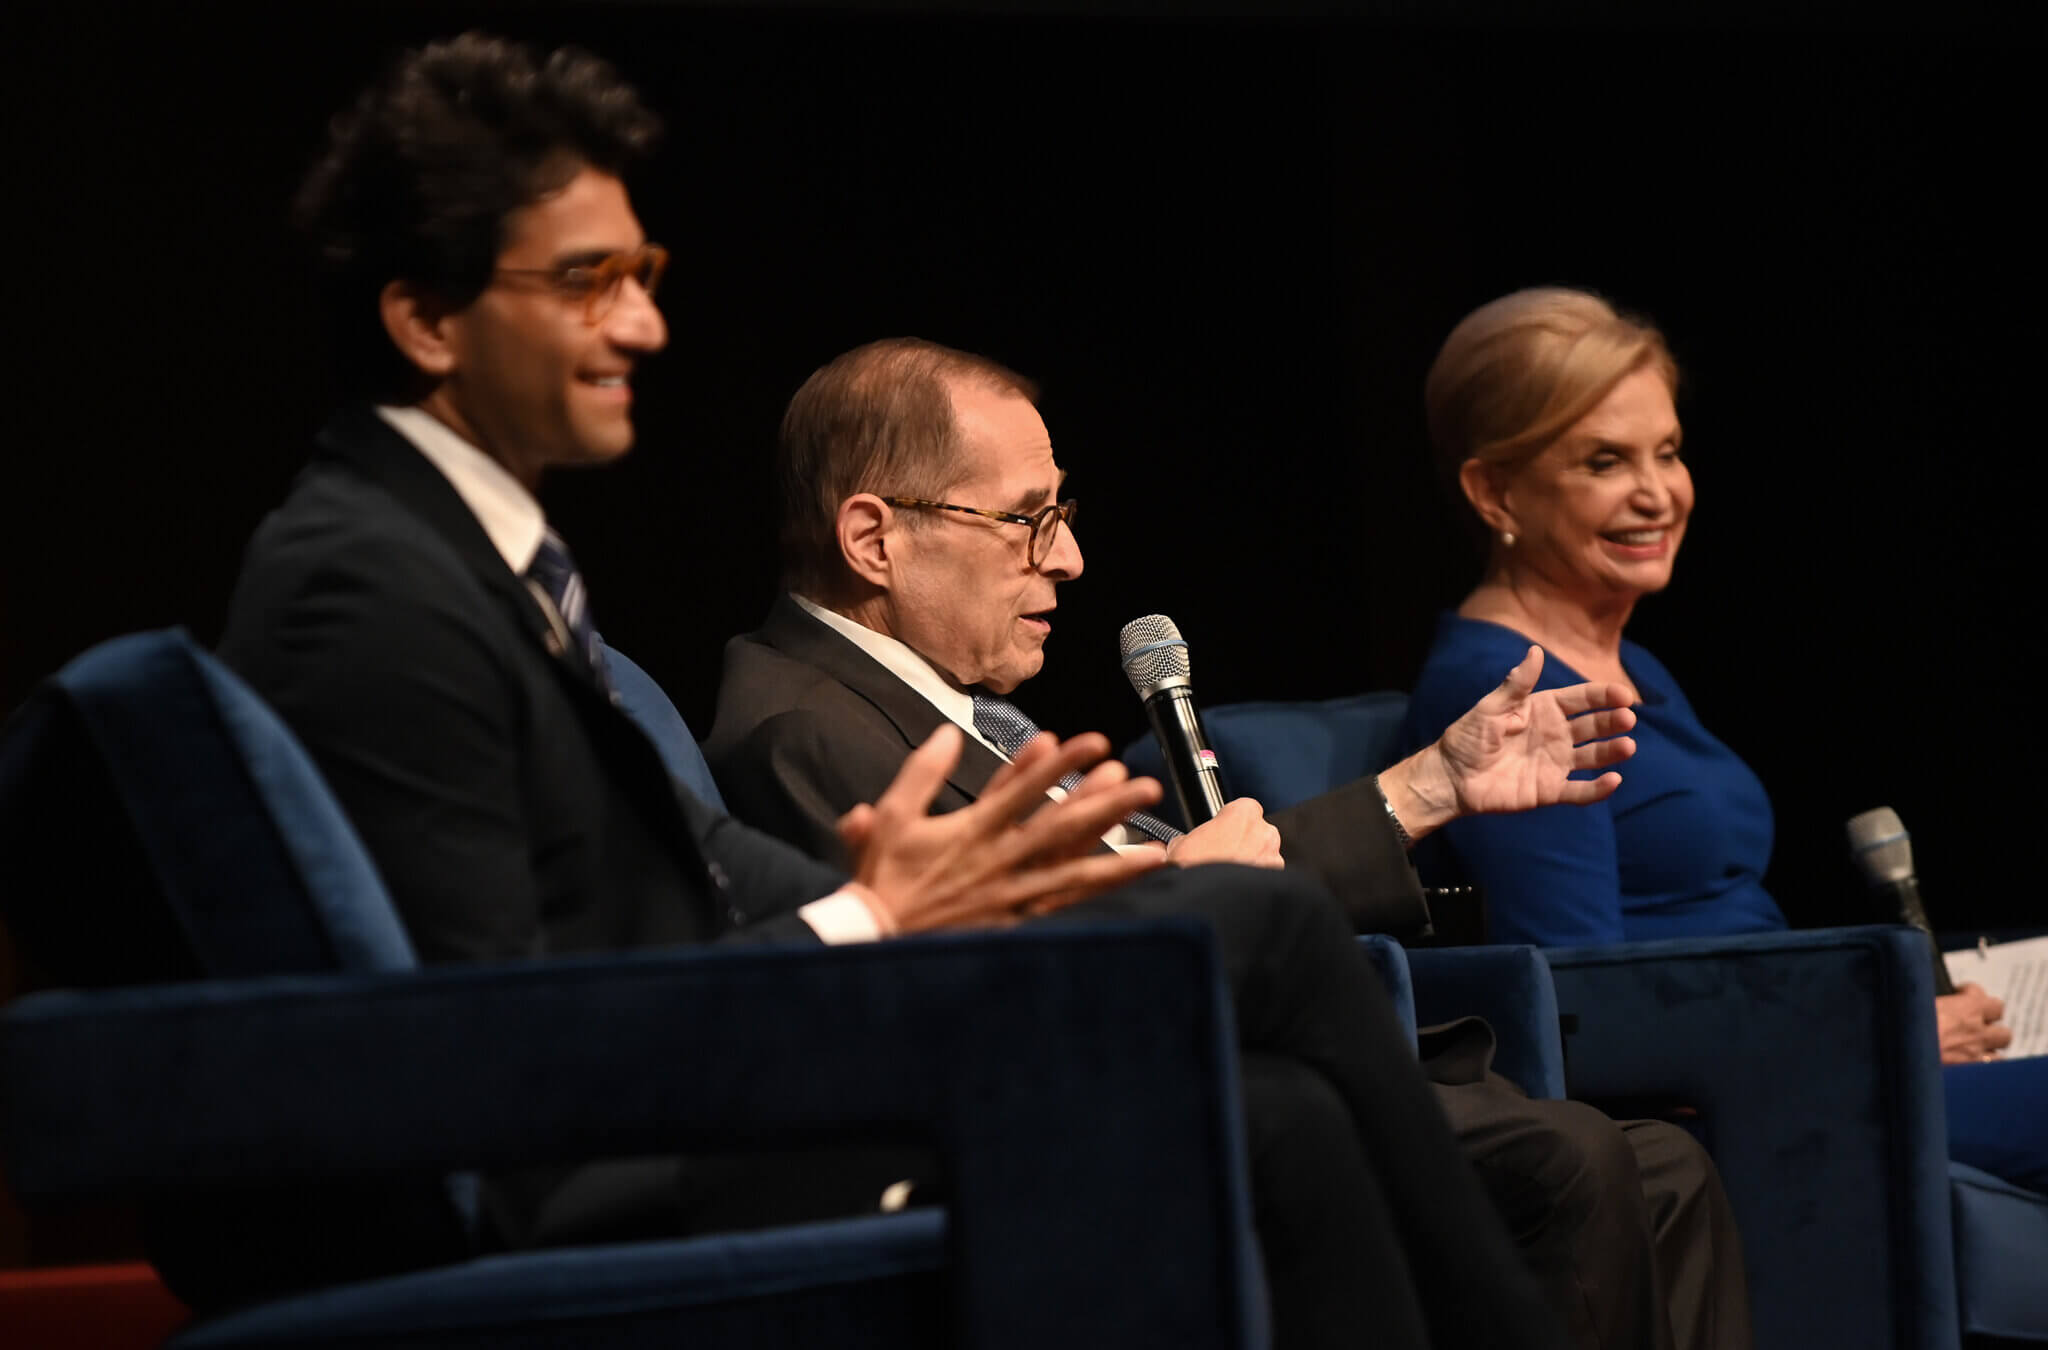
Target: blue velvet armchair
{"points": [[1804, 1061], [239, 1029]]}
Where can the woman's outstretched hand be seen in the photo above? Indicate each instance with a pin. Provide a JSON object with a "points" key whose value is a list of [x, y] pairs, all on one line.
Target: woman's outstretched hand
{"points": [[1514, 751]]}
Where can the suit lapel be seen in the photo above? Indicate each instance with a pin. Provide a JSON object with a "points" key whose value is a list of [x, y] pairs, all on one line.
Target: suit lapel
{"points": [[795, 633], [368, 444]]}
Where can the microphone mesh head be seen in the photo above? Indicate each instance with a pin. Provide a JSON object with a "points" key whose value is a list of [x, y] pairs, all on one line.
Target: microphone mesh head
{"points": [[1880, 845], [1154, 653]]}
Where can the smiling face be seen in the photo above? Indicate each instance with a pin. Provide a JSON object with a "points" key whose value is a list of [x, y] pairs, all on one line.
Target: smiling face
{"points": [[966, 596], [1599, 514], [529, 379]]}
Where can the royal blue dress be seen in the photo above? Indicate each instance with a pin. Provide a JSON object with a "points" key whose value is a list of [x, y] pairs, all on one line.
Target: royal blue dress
{"points": [[1679, 850]]}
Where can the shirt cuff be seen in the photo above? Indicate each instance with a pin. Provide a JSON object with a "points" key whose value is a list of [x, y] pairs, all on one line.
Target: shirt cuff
{"points": [[841, 917]]}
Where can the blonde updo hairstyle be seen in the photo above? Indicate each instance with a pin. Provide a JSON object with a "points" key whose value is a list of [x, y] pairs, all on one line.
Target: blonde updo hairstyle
{"points": [[1517, 372]]}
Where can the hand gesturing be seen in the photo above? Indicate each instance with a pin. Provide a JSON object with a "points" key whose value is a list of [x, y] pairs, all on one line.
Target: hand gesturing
{"points": [[1514, 749], [1010, 853]]}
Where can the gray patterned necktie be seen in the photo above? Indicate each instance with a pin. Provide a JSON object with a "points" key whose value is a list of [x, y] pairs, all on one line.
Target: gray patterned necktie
{"points": [[1007, 728], [555, 570]]}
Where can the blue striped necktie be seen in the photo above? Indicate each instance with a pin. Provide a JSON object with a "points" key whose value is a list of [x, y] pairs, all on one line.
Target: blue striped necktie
{"points": [[555, 570], [1007, 728]]}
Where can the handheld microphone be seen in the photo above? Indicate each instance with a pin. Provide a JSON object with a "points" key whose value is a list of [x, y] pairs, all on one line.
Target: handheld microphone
{"points": [[1883, 853], [1155, 657]]}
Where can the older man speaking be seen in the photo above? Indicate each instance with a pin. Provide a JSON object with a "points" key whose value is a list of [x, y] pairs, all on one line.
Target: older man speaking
{"points": [[924, 538]]}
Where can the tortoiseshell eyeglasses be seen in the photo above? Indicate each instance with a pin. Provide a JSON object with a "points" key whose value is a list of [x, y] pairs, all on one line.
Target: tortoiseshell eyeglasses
{"points": [[1045, 525], [597, 285]]}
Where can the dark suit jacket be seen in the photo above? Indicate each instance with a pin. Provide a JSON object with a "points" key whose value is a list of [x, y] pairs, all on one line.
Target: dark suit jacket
{"points": [[512, 809], [809, 725]]}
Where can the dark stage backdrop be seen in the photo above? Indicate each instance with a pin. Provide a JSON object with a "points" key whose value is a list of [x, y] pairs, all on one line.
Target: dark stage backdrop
{"points": [[1228, 249]]}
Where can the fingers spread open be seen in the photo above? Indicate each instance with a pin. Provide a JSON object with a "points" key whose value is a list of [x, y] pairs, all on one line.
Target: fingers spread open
{"points": [[1600, 754], [1040, 745], [1577, 793], [922, 774], [1027, 754], [1023, 791], [1607, 722], [1108, 774], [1579, 698], [855, 826], [1076, 825], [1041, 890], [1523, 677]]}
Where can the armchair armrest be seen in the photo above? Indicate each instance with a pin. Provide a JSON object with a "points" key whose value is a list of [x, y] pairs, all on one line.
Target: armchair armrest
{"points": [[1390, 962], [1811, 1060], [1079, 1084], [1511, 987]]}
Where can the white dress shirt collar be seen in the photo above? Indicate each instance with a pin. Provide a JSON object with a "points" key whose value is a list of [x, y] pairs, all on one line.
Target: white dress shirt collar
{"points": [[515, 524], [500, 503], [906, 665], [956, 703]]}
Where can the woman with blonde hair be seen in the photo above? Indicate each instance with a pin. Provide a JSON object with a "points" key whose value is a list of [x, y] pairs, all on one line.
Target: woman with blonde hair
{"points": [[1554, 417]]}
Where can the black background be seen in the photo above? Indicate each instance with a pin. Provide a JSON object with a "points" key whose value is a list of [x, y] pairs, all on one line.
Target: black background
{"points": [[1227, 247]]}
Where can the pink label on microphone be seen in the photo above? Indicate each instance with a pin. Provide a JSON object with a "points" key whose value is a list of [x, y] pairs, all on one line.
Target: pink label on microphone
{"points": [[1209, 759]]}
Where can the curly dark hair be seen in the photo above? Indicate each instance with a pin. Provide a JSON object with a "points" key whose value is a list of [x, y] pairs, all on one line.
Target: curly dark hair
{"points": [[421, 174]]}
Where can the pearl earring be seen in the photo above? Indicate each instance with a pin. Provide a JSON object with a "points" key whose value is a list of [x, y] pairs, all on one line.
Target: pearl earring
{"points": [[1507, 538]]}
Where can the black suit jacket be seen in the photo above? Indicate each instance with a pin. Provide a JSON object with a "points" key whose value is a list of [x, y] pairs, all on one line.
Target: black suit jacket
{"points": [[809, 725], [512, 809]]}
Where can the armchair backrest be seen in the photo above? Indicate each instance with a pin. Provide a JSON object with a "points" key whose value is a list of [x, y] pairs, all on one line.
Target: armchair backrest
{"points": [[158, 821], [1283, 753]]}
